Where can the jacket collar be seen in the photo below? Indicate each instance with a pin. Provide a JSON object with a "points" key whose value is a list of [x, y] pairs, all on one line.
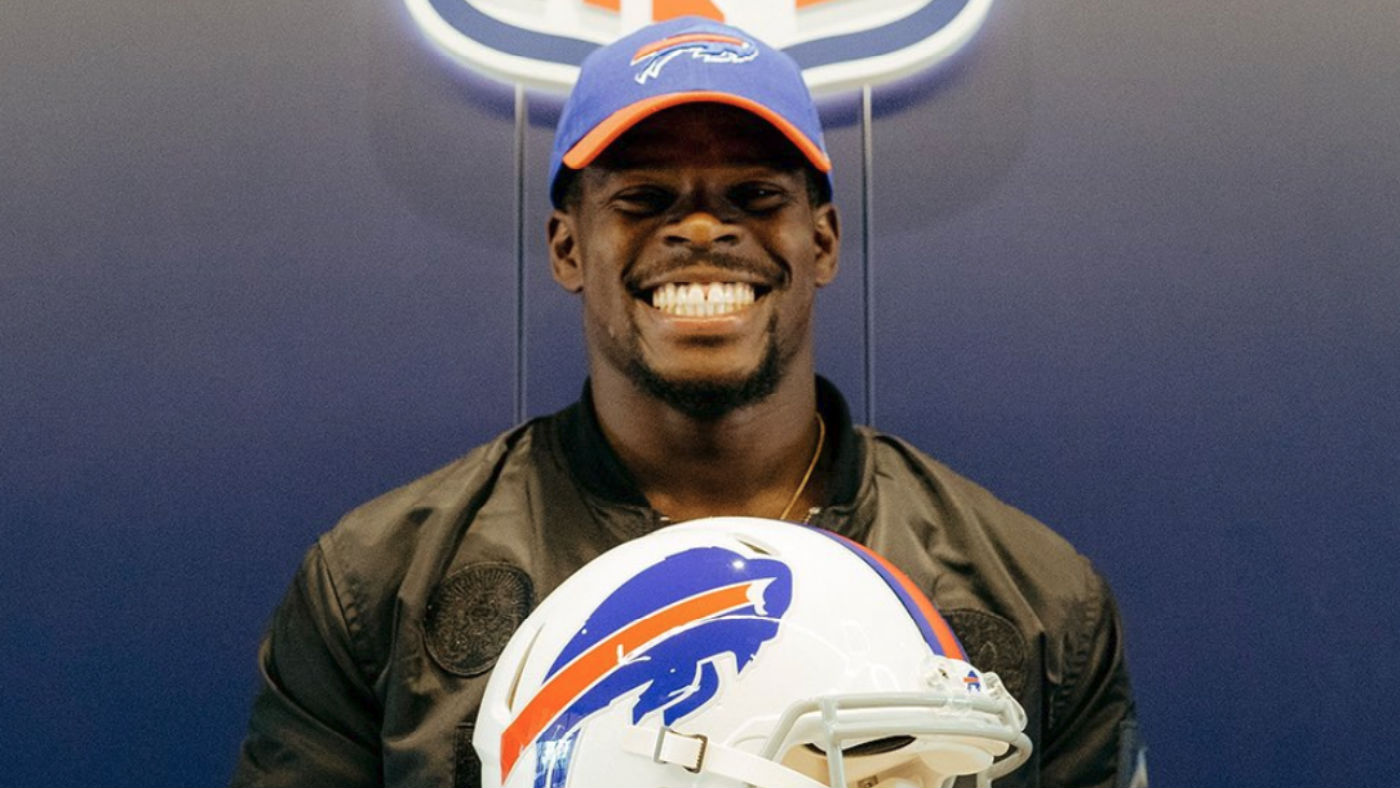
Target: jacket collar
{"points": [[600, 472]]}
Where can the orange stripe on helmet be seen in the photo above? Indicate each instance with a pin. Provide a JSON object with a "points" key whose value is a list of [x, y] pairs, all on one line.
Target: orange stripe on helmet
{"points": [[941, 630], [944, 633]]}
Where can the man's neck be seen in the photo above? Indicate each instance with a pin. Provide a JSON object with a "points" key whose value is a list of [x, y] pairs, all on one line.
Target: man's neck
{"points": [[750, 461]]}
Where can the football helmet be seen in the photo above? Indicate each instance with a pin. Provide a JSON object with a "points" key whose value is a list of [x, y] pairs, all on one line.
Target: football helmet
{"points": [[735, 651]]}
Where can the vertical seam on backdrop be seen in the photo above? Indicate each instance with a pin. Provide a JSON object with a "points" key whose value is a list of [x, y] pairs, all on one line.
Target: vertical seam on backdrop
{"points": [[867, 154], [521, 120]]}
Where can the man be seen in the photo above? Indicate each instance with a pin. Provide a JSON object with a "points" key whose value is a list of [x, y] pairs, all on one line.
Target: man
{"points": [[693, 216]]}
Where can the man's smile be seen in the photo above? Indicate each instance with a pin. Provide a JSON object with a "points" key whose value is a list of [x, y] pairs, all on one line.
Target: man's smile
{"points": [[718, 287], [708, 299]]}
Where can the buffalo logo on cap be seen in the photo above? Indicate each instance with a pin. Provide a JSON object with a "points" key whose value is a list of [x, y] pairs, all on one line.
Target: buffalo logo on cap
{"points": [[707, 47]]}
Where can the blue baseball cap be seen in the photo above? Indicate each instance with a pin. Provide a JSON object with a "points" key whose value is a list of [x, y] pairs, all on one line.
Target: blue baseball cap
{"points": [[681, 61]]}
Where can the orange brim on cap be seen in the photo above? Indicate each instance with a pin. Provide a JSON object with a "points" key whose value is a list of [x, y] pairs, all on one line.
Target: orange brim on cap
{"points": [[617, 124]]}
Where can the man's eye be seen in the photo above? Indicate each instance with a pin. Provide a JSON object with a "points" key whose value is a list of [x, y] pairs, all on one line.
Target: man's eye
{"points": [[759, 197], [643, 201]]}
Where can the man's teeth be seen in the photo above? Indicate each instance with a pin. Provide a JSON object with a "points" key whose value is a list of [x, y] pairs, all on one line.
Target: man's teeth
{"points": [[697, 300]]}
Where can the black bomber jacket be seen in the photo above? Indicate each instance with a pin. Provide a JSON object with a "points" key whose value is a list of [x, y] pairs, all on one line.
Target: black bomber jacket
{"points": [[376, 660]]}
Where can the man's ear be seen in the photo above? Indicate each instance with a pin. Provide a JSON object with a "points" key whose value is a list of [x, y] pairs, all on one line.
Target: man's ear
{"points": [[563, 252], [826, 239]]}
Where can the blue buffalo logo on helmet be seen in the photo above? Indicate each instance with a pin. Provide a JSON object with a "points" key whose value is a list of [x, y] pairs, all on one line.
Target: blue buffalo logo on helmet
{"points": [[706, 47], [664, 631]]}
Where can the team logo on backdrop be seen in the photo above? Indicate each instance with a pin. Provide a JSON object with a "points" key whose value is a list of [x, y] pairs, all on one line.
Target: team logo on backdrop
{"points": [[840, 44]]}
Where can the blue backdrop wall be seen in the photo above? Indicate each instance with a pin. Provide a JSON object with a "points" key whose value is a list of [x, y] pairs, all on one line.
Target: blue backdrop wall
{"points": [[1134, 266]]}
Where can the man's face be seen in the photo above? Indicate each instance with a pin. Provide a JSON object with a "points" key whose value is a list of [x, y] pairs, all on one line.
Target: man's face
{"points": [[698, 252]]}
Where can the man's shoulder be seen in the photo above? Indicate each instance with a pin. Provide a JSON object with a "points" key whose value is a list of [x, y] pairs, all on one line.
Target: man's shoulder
{"points": [[973, 518], [379, 537], [1018, 594]]}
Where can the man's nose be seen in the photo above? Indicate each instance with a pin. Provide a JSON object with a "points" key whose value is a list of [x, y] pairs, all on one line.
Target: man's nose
{"points": [[700, 228]]}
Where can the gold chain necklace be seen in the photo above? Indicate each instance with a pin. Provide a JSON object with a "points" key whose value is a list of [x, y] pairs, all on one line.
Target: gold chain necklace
{"points": [[811, 466]]}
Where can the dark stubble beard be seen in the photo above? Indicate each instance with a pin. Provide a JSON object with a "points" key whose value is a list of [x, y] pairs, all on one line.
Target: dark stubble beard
{"points": [[705, 400]]}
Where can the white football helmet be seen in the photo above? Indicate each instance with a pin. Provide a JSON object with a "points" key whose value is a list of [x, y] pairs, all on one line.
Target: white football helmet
{"points": [[735, 651]]}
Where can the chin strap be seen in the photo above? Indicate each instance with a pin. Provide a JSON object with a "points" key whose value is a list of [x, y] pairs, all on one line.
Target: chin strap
{"points": [[695, 753]]}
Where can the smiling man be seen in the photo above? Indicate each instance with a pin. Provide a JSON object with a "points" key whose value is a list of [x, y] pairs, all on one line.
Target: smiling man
{"points": [[693, 218], [698, 240]]}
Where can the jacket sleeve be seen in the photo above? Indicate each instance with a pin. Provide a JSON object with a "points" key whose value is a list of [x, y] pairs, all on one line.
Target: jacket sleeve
{"points": [[316, 717], [1092, 737]]}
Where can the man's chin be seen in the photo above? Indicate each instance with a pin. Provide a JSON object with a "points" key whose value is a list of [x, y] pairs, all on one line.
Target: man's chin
{"points": [[707, 398]]}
